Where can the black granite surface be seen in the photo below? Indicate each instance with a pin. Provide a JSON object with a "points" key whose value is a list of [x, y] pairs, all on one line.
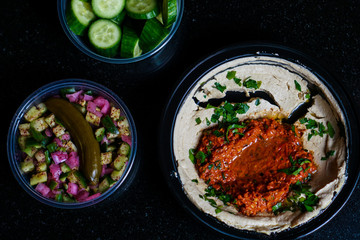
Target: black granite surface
{"points": [[34, 51]]}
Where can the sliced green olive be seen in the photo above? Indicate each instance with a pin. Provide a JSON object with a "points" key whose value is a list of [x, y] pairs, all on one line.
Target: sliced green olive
{"points": [[82, 134]]}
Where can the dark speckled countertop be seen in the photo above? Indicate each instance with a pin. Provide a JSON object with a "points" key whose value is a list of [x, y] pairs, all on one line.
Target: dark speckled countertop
{"points": [[34, 51]]}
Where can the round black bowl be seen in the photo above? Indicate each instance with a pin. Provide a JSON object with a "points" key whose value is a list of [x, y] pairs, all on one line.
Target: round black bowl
{"points": [[169, 165]]}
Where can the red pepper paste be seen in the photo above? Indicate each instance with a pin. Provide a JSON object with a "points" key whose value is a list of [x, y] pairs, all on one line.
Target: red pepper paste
{"points": [[249, 162]]}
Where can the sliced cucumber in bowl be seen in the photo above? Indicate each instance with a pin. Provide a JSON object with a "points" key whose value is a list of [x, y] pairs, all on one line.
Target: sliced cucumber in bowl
{"points": [[79, 15], [130, 42], [142, 9], [105, 36], [107, 8], [102, 25], [152, 34], [168, 12]]}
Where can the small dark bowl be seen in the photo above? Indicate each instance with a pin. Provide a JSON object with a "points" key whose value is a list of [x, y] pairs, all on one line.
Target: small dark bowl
{"points": [[85, 47], [51, 89], [169, 165]]}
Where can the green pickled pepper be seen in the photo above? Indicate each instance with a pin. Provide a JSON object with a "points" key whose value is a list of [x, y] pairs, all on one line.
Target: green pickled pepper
{"points": [[82, 134]]}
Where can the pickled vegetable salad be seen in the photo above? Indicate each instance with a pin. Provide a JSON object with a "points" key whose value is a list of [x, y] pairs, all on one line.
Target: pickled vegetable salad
{"points": [[58, 152]]}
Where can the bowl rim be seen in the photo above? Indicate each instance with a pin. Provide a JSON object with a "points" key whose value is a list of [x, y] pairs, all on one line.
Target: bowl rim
{"points": [[61, 9], [246, 49], [34, 98]]}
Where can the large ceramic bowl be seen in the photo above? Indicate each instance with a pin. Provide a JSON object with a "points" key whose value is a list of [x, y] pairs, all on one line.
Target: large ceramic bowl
{"points": [[51, 89], [195, 76], [82, 43]]}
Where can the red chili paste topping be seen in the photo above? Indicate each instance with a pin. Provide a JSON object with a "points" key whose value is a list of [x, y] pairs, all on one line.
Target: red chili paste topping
{"points": [[255, 162]]}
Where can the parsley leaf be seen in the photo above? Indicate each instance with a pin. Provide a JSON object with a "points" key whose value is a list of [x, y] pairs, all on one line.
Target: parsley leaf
{"points": [[198, 120], [251, 83], [230, 75], [237, 81], [219, 87], [328, 154], [191, 156], [297, 86], [330, 130], [195, 180], [200, 155]]}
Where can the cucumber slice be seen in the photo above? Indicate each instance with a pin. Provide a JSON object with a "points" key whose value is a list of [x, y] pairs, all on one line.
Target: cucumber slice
{"points": [[79, 14], [152, 34], [105, 36], [142, 9], [107, 8], [169, 12], [130, 43], [119, 18]]}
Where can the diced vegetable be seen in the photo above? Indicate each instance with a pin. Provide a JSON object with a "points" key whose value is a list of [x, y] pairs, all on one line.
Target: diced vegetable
{"points": [[41, 167], [119, 162], [39, 177], [39, 124], [27, 165], [43, 189], [116, 175], [99, 134], [106, 158], [24, 129], [35, 112], [124, 149], [109, 125]]}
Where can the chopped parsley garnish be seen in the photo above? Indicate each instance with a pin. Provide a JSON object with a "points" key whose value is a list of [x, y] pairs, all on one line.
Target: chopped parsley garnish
{"points": [[219, 87], [330, 130], [195, 180], [276, 208], [301, 198], [297, 86], [219, 194], [237, 81], [217, 165], [191, 156], [293, 129], [294, 169], [198, 156], [317, 129], [251, 83], [235, 131], [201, 156], [328, 154], [257, 102], [231, 75], [218, 209], [228, 112], [212, 192], [217, 133], [198, 120], [207, 122]]}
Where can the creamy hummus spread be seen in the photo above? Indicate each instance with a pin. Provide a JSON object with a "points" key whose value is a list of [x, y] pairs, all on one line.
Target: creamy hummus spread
{"points": [[288, 86]]}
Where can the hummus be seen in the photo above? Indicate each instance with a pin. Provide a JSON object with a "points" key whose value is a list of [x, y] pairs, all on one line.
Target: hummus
{"points": [[288, 87]]}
